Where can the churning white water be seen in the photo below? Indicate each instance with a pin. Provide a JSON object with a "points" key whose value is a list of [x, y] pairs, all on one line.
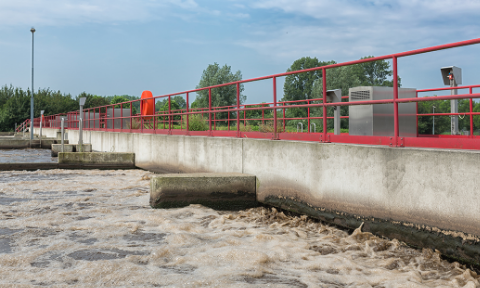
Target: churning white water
{"points": [[79, 228]]}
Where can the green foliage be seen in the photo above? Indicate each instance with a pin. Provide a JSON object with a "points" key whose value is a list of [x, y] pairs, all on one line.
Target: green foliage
{"points": [[15, 105], [442, 123], [374, 73], [124, 98], [299, 86], [93, 100], [196, 123], [255, 114], [222, 96]]}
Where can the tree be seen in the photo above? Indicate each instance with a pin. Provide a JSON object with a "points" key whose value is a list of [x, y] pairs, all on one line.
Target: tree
{"points": [[93, 100], [182, 103], [221, 96], [120, 99], [374, 73], [299, 86]]}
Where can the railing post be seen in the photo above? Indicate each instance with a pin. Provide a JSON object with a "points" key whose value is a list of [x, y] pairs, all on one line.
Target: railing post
{"points": [[238, 109], [169, 116], [214, 120], [121, 116], [275, 134], [284, 128], [131, 115], [471, 116], [188, 115], [395, 105], [308, 115], [210, 111], [324, 87], [228, 117]]}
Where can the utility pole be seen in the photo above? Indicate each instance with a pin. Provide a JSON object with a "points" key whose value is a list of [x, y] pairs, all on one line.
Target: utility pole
{"points": [[31, 93]]}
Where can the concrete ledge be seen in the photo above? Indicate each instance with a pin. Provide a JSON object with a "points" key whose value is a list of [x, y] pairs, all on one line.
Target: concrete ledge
{"points": [[57, 148], [223, 191], [97, 158], [16, 143], [49, 166]]}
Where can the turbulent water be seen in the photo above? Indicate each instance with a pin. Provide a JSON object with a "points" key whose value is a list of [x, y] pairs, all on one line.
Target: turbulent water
{"points": [[26, 156], [77, 228]]}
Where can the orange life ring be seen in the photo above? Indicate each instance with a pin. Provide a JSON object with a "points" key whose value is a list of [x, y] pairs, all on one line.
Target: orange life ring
{"points": [[147, 107]]}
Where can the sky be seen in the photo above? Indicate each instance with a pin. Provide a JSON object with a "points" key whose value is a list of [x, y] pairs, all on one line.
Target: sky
{"points": [[117, 47]]}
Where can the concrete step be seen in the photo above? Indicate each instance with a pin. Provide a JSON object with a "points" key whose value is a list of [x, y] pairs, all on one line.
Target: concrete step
{"points": [[223, 191]]}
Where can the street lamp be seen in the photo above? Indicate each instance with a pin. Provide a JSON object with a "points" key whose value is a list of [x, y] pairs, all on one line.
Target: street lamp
{"points": [[31, 98], [433, 129]]}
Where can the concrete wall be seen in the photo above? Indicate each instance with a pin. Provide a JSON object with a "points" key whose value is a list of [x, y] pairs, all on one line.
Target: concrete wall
{"points": [[46, 132], [430, 190]]}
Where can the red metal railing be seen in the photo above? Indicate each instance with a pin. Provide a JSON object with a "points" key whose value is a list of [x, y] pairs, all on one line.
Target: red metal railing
{"points": [[176, 121]]}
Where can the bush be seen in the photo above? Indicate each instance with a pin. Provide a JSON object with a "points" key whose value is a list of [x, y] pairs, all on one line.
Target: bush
{"points": [[196, 123]]}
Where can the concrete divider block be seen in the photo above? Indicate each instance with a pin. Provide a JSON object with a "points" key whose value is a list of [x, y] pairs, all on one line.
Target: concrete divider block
{"points": [[97, 159], [222, 191], [86, 148], [57, 148]]}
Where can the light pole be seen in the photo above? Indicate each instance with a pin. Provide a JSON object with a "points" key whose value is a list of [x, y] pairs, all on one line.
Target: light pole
{"points": [[433, 129], [31, 99]]}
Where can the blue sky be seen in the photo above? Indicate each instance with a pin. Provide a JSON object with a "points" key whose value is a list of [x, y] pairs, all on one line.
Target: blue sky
{"points": [[115, 47]]}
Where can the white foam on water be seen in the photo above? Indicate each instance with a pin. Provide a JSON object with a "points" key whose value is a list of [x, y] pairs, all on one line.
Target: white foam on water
{"points": [[79, 228]]}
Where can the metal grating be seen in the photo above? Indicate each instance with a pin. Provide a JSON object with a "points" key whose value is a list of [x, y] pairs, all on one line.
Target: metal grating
{"points": [[360, 95]]}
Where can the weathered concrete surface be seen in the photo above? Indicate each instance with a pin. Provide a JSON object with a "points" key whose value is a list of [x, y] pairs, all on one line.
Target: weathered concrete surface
{"points": [[56, 148], [424, 188], [15, 143], [50, 166], [7, 133], [47, 132], [97, 159], [224, 191], [84, 148]]}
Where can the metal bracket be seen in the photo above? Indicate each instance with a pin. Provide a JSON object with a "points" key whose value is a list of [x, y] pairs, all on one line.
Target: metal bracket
{"points": [[327, 140], [400, 142]]}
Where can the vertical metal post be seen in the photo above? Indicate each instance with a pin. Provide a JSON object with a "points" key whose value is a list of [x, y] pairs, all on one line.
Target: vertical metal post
{"points": [[210, 111], [416, 115], [228, 117], [324, 87], [169, 117], [62, 128], [284, 130], [154, 114], [131, 114], [454, 108], [238, 109], [121, 116], [433, 124], [214, 120], [471, 116], [308, 114], [31, 98], [41, 130], [188, 115], [275, 134], [80, 129], [395, 104]]}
